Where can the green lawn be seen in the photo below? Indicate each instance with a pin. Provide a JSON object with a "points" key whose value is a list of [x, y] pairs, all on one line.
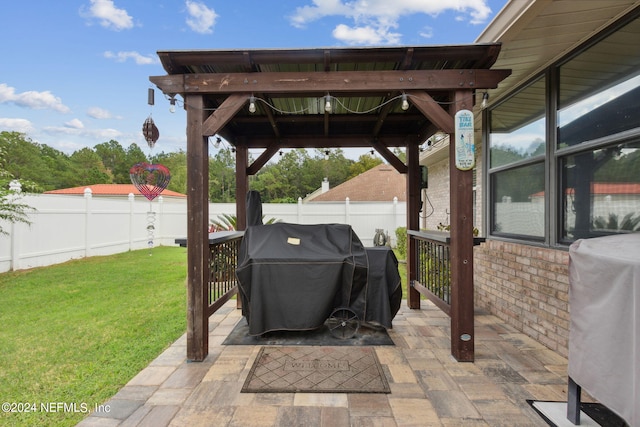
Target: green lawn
{"points": [[75, 333]]}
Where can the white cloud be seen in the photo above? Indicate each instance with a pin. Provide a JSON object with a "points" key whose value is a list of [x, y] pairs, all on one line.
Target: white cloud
{"points": [[138, 58], [16, 125], [96, 134], [32, 99], [365, 35], [374, 19], [201, 19], [74, 124], [99, 113], [427, 32], [108, 14]]}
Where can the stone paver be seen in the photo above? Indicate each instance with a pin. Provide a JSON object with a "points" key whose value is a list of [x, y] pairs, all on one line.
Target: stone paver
{"points": [[428, 386]]}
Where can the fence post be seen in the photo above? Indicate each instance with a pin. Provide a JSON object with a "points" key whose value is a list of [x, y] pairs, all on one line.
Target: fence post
{"points": [[159, 222], [347, 211], [131, 199], [87, 222], [15, 187], [299, 210], [392, 233]]}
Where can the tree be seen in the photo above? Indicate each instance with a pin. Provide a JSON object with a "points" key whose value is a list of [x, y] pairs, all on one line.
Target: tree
{"points": [[11, 209], [364, 163], [89, 168], [177, 165], [115, 160], [222, 177]]}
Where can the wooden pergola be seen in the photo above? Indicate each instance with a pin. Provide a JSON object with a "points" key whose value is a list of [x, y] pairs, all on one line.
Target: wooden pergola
{"points": [[328, 98]]}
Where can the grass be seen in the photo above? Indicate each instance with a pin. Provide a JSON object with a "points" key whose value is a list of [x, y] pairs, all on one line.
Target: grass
{"points": [[77, 332]]}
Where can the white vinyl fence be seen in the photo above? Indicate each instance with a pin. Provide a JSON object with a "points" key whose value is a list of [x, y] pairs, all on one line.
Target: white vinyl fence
{"points": [[70, 227]]}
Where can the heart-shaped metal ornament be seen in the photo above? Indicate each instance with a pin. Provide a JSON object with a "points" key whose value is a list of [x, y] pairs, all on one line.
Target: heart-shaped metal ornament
{"points": [[150, 179]]}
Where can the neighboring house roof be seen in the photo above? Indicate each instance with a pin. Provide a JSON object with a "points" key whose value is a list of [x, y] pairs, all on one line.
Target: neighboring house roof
{"points": [[606, 188], [379, 184], [110, 190]]}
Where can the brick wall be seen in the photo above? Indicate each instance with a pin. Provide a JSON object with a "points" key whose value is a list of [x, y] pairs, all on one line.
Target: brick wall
{"points": [[527, 287]]}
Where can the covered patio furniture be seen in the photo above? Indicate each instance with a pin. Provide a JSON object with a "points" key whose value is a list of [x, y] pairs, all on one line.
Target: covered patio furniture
{"points": [[604, 338]]}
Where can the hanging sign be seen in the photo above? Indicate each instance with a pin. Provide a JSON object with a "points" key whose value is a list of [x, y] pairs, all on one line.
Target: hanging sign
{"points": [[464, 145]]}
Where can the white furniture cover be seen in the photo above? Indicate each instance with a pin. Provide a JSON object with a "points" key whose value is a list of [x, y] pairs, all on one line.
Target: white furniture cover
{"points": [[604, 337]]}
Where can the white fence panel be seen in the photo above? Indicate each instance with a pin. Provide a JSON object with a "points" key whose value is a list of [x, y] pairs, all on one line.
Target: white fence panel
{"points": [[69, 227]]}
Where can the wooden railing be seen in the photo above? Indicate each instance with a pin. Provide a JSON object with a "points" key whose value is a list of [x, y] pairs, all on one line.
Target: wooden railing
{"points": [[433, 276], [223, 261], [224, 247]]}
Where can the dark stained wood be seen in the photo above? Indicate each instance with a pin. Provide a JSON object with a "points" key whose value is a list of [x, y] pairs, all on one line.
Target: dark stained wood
{"points": [[408, 57], [224, 80], [390, 157], [221, 116], [330, 82], [197, 232], [334, 141], [461, 252], [264, 157], [413, 220], [432, 297], [432, 110]]}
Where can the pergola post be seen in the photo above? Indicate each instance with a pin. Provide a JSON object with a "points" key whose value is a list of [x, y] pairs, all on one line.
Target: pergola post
{"points": [[197, 231], [413, 221], [461, 256]]}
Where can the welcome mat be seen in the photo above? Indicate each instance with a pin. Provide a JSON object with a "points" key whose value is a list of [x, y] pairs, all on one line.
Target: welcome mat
{"points": [[592, 414], [302, 369], [367, 335]]}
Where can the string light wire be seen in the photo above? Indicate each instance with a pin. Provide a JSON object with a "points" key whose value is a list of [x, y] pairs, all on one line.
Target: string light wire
{"points": [[323, 101]]}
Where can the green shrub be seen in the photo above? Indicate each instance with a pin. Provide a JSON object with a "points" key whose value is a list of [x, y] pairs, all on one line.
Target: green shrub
{"points": [[401, 239]]}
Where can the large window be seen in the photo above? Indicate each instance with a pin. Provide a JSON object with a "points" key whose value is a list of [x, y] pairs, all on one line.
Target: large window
{"points": [[518, 127], [518, 201], [516, 147], [582, 178], [601, 191]]}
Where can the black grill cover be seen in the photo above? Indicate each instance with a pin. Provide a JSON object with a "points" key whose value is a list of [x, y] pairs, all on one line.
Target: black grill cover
{"points": [[292, 276], [254, 208]]}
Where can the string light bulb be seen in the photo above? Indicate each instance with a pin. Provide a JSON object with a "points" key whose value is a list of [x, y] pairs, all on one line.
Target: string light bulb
{"points": [[485, 100], [217, 143], [252, 104], [327, 104], [405, 103], [172, 104]]}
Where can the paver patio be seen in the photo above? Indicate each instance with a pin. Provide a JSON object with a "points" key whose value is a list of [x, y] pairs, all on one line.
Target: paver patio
{"points": [[428, 386]]}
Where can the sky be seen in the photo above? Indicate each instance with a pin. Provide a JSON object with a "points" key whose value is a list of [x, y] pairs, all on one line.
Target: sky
{"points": [[75, 73]]}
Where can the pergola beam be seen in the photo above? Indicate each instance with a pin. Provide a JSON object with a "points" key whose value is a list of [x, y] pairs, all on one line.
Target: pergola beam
{"points": [[221, 116], [333, 141], [329, 82], [431, 110]]}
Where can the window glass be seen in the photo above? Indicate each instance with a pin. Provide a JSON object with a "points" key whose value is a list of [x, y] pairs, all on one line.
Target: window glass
{"points": [[601, 191], [518, 201], [600, 89], [518, 126]]}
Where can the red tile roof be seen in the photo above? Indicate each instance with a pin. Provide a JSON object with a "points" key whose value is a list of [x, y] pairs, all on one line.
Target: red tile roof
{"points": [[110, 190], [605, 188], [379, 184]]}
